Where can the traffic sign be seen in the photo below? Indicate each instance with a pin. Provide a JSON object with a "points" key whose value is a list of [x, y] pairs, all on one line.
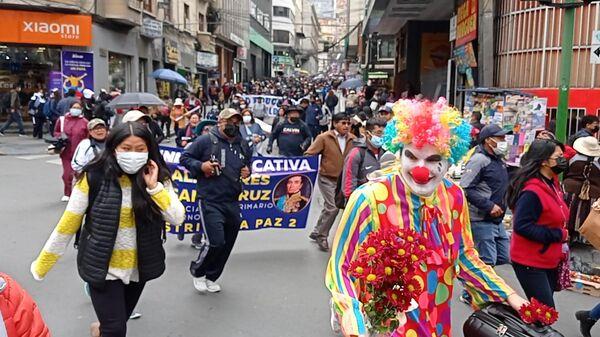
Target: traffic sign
{"points": [[595, 54]]}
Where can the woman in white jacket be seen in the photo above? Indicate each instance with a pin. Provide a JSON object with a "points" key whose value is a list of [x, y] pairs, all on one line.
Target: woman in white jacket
{"points": [[90, 148]]}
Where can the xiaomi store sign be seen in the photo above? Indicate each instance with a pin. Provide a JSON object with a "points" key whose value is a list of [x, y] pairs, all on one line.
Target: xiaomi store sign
{"points": [[45, 28]]}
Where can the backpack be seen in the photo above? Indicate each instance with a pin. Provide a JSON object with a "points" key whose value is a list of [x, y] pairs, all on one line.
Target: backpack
{"points": [[340, 199]]}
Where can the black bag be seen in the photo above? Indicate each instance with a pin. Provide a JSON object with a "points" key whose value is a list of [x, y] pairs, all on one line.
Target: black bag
{"points": [[500, 320], [58, 145]]}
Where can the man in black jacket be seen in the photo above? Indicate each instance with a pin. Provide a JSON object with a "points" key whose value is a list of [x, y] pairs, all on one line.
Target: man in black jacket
{"points": [[218, 160], [293, 135]]}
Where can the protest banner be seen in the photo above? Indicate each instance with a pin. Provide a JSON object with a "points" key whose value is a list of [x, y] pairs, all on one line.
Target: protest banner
{"points": [[272, 103], [278, 194]]}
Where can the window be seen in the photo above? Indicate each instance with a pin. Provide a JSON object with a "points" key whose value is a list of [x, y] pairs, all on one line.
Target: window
{"points": [[201, 22], [186, 16], [167, 10], [119, 71], [281, 36], [252, 9], [386, 49], [281, 11], [148, 5], [267, 22], [143, 85]]}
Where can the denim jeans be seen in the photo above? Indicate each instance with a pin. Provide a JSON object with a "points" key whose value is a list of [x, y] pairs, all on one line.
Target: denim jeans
{"points": [[537, 282], [14, 116], [491, 241], [595, 313]]}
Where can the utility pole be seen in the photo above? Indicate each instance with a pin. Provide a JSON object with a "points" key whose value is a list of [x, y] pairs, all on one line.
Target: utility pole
{"points": [[565, 72]]}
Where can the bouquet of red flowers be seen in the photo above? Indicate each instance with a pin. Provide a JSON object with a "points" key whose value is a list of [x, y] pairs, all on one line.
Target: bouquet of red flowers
{"points": [[386, 265], [537, 312]]}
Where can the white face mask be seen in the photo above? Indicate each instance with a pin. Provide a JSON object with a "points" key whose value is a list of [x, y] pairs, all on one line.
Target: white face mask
{"points": [[131, 162], [247, 119], [75, 112], [501, 148], [425, 186]]}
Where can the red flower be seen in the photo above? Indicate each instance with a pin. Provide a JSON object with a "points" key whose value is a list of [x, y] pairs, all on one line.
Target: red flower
{"points": [[536, 311]]}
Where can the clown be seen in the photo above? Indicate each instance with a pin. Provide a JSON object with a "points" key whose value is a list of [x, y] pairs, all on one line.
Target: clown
{"points": [[429, 138]]}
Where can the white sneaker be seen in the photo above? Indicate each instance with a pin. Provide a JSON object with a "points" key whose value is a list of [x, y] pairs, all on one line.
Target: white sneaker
{"points": [[203, 285], [64, 198]]}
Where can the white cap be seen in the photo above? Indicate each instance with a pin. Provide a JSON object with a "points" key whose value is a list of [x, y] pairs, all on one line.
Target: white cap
{"points": [[87, 93], [103, 90], [134, 116], [178, 101]]}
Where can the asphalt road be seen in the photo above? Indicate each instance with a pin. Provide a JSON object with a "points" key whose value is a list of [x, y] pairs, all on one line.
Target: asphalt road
{"points": [[272, 287]]}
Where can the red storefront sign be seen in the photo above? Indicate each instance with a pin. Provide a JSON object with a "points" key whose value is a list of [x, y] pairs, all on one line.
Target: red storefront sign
{"points": [[466, 22]]}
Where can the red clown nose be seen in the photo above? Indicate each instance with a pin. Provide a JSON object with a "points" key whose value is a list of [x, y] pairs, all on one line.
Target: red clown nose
{"points": [[420, 174]]}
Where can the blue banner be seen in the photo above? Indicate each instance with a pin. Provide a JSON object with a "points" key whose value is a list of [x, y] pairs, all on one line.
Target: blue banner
{"points": [[278, 194]]}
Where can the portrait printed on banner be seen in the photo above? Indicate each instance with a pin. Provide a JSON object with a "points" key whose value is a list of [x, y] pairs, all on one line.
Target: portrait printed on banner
{"points": [[292, 194]]}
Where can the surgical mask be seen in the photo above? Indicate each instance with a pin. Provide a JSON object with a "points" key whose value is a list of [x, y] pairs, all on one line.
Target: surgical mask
{"points": [[376, 141], [75, 112], [242, 106], [231, 130], [132, 162], [247, 119], [561, 165], [501, 148]]}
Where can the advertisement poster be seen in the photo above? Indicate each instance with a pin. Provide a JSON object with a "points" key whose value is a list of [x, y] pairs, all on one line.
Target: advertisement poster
{"points": [[278, 194], [55, 80], [77, 71], [466, 22]]}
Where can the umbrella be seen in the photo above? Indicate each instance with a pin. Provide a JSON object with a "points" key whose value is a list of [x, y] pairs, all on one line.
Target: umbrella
{"points": [[134, 99], [352, 83], [169, 76]]}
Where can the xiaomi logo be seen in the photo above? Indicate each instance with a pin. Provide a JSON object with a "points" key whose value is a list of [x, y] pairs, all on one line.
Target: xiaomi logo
{"points": [[66, 31], [45, 28]]}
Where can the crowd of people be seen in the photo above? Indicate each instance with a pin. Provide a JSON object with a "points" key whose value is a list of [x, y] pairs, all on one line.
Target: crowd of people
{"points": [[112, 168]]}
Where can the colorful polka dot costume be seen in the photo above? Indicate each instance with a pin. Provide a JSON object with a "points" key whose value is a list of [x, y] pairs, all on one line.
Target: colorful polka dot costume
{"points": [[443, 219]]}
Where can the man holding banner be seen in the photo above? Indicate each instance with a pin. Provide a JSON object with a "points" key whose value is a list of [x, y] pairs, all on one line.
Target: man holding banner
{"points": [[218, 160]]}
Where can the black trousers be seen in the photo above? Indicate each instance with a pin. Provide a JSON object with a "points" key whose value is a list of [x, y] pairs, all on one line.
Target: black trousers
{"points": [[537, 282], [38, 126], [221, 223], [113, 304]]}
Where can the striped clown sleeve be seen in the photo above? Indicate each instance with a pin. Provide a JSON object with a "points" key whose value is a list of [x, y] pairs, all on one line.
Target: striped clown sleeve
{"points": [[355, 225], [64, 231], [167, 200], [479, 279]]}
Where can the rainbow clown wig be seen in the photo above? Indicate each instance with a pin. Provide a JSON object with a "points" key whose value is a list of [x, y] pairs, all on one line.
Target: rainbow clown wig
{"points": [[425, 122]]}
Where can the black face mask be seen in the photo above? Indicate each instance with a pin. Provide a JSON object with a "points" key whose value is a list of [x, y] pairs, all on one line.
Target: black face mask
{"points": [[231, 130], [561, 165], [294, 119], [596, 129]]}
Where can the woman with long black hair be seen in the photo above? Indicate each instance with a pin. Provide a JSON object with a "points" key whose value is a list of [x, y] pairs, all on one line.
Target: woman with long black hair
{"points": [[539, 222], [125, 196]]}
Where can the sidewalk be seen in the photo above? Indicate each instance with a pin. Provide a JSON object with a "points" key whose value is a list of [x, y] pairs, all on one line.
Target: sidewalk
{"points": [[13, 145]]}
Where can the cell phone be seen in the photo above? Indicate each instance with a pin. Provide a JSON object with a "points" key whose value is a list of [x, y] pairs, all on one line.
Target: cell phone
{"points": [[217, 169]]}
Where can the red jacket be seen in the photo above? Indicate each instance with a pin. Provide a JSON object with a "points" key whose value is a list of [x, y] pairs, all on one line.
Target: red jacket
{"points": [[76, 130], [555, 213], [19, 312]]}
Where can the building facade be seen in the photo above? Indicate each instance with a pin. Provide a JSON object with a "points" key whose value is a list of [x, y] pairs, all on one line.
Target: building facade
{"points": [[528, 52], [284, 36], [261, 48], [229, 21], [307, 33]]}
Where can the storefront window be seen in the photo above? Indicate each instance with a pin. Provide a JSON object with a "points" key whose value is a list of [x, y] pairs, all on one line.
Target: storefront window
{"points": [[29, 67], [119, 71]]}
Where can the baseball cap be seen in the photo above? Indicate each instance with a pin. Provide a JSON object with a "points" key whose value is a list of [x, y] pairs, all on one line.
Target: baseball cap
{"points": [[87, 93], [228, 113], [385, 108], [94, 123], [492, 130], [293, 109], [134, 116]]}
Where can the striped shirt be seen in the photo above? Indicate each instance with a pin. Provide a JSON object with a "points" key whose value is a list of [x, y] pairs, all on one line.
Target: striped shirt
{"points": [[123, 262], [443, 220]]}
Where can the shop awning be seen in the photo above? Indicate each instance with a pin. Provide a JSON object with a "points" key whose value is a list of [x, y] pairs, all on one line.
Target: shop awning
{"points": [[386, 17], [260, 41]]}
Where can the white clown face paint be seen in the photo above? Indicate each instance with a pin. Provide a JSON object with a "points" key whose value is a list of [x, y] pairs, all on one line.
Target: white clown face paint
{"points": [[416, 161]]}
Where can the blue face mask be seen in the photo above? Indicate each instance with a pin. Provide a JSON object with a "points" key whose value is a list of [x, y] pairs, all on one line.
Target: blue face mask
{"points": [[376, 141]]}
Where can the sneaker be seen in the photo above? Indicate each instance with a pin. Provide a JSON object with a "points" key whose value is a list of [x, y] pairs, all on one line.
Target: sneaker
{"points": [[22, 135], [585, 323], [135, 315], [203, 285], [313, 236], [64, 198], [1, 134]]}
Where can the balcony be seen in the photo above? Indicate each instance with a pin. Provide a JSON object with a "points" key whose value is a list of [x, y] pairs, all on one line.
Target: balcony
{"points": [[386, 17], [123, 12]]}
